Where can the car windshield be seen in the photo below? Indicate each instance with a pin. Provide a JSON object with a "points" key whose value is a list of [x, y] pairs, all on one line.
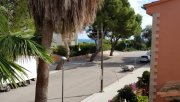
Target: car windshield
{"points": [[144, 56]]}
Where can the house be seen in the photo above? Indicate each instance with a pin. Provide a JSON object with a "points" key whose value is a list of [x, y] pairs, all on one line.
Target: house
{"points": [[57, 39], [165, 66]]}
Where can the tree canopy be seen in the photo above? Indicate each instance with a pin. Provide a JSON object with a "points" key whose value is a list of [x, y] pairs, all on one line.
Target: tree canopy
{"points": [[119, 20], [16, 15], [146, 34]]}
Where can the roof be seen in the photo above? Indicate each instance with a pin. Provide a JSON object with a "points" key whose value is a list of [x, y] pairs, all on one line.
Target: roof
{"points": [[155, 3]]}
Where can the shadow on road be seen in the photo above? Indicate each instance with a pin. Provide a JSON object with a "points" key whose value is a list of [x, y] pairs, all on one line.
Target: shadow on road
{"points": [[107, 64]]}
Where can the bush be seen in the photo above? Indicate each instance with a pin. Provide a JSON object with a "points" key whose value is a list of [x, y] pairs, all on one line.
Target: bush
{"points": [[86, 48], [130, 45], [91, 48], [120, 46], [143, 99], [146, 77], [74, 50], [128, 94], [60, 50], [139, 46], [81, 49], [143, 83], [124, 45], [106, 46], [129, 49]]}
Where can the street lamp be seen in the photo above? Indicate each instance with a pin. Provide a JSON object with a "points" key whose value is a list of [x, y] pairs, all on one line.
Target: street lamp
{"points": [[63, 59], [102, 67]]}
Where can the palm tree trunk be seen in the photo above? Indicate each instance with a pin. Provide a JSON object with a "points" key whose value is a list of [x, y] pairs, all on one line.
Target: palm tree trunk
{"points": [[43, 71]]}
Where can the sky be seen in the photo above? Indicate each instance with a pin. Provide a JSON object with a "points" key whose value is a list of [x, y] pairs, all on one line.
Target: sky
{"points": [[137, 5]]}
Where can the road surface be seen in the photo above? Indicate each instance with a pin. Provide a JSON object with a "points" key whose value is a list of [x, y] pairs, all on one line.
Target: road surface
{"points": [[80, 82]]}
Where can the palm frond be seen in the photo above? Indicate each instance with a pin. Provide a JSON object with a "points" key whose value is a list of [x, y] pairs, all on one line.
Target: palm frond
{"points": [[66, 15], [14, 46], [10, 72]]}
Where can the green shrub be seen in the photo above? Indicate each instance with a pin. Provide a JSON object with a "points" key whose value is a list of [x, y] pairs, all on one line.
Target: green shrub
{"points": [[139, 46], [81, 49], [115, 99], [127, 93], [143, 83], [60, 50], [129, 49], [74, 50], [120, 46], [146, 77], [130, 45], [124, 45], [106, 46], [86, 48], [143, 99]]}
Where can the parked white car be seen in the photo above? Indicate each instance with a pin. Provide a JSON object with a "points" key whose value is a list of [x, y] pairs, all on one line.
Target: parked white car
{"points": [[149, 53], [145, 58], [128, 68], [30, 64]]}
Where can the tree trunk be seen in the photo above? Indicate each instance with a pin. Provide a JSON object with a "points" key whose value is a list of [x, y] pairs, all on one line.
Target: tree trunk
{"points": [[66, 45], [111, 52], [113, 45], [43, 71], [93, 56]]}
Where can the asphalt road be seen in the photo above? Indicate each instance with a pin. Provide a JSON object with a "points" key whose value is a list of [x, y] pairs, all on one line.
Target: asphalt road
{"points": [[80, 82]]}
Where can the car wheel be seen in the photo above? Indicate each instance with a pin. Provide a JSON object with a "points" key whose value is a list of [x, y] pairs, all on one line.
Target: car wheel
{"points": [[20, 84], [132, 69], [33, 79], [8, 88], [26, 83]]}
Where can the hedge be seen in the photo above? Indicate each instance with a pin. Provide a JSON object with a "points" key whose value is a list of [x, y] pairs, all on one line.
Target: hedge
{"points": [[81, 49]]}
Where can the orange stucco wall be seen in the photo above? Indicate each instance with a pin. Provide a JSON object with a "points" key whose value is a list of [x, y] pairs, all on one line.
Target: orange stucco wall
{"points": [[168, 67]]}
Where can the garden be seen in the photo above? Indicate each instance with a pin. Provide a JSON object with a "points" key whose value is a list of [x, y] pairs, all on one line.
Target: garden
{"points": [[135, 92]]}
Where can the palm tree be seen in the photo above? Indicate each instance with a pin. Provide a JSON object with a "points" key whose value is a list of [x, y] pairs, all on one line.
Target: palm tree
{"points": [[13, 46], [64, 17]]}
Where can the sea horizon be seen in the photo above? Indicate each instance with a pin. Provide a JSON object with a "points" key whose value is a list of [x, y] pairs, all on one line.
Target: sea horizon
{"points": [[85, 41]]}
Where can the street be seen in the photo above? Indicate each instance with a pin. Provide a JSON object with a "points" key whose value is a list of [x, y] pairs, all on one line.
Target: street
{"points": [[80, 82]]}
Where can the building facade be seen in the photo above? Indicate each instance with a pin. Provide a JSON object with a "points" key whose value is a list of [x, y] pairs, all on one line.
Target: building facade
{"points": [[165, 62], [72, 39]]}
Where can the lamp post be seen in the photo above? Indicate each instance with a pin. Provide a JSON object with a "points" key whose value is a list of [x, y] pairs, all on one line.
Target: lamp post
{"points": [[62, 60], [102, 67]]}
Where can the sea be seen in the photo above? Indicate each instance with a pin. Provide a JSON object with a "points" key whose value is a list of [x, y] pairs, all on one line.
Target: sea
{"points": [[85, 41]]}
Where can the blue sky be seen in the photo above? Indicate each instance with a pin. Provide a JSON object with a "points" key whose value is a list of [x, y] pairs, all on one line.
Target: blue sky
{"points": [[136, 4]]}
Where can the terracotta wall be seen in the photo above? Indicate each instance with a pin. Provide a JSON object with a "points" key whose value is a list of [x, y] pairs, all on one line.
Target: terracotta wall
{"points": [[168, 67]]}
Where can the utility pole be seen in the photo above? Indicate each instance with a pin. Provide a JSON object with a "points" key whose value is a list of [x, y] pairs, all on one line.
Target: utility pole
{"points": [[98, 42], [102, 69]]}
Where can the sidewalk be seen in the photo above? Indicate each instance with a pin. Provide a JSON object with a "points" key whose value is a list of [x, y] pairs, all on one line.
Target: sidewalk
{"points": [[111, 90]]}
